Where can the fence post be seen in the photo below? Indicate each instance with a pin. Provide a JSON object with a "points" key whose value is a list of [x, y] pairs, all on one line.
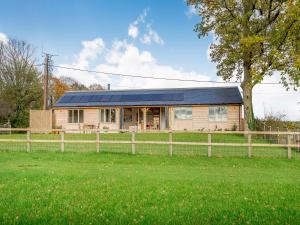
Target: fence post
{"points": [[98, 141], [249, 146], [170, 143], [289, 153], [133, 143], [264, 130], [28, 141], [62, 141], [209, 145]]}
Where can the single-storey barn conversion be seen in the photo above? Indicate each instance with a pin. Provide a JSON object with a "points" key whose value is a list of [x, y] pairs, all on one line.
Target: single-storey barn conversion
{"points": [[211, 108]]}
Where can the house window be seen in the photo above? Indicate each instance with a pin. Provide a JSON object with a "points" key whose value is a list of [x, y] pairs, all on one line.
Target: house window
{"points": [[108, 115], [218, 113], [75, 116], [183, 113]]}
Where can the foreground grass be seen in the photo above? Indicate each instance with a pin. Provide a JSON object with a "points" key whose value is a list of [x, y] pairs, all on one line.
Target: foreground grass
{"points": [[90, 188]]}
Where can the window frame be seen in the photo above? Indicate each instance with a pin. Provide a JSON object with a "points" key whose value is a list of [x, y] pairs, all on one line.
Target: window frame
{"points": [[103, 112], [217, 116], [79, 116], [187, 115]]}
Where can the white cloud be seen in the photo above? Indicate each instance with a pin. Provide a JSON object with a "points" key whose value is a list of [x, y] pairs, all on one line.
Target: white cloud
{"points": [[133, 28], [151, 36], [141, 17], [91, 51], [3, 38], [126, 58], [133, 31], [191, 11], [140, 24]]}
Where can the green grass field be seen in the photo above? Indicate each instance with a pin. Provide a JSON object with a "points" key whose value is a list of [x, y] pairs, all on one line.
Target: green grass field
{"points": [[91, 188], [152, 149]]}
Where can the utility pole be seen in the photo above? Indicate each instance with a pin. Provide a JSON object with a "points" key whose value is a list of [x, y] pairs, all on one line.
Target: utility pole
{"points": [[46, 71]]}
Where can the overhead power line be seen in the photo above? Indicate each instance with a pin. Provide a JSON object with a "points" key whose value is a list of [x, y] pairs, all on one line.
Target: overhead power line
{"points": [[140, 76], [155, 77]]}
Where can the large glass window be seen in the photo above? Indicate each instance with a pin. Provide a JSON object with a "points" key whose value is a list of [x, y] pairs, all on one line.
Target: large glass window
{"points": [[183, 113], [75, 116], [107, 115], [217, 113]]}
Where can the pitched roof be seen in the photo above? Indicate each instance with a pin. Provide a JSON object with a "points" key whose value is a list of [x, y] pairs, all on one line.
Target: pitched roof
{"points": [[152, 97]]}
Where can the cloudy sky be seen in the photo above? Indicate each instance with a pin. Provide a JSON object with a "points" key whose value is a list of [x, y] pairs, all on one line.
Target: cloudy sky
{"points": [[147, 38]]}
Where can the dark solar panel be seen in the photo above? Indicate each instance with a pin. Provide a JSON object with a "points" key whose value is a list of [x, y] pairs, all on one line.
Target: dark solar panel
{"points": [[115, 98], [122, 98], [95, 98], [75, 99], [84, 99], [106, 98], [65, 99], [152, 97], [149, 97]]}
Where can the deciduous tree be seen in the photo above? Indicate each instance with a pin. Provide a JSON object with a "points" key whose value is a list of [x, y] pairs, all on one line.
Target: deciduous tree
{"points": [[20, 85], [254, 39]]}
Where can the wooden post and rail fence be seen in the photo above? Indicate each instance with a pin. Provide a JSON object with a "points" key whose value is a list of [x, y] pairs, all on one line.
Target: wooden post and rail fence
{"points": [[170, 142]]}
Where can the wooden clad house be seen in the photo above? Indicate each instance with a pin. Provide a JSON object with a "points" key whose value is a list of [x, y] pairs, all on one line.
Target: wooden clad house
{"points": [[210, 108]]}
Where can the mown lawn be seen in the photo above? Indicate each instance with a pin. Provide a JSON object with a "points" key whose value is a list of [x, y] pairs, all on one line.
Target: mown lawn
{"points": [[91, 188]]}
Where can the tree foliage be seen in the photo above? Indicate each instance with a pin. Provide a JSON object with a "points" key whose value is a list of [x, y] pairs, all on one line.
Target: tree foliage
{"points": [[56, 89], [253, 39], [73, 84], [20, 85], [96, 87]]}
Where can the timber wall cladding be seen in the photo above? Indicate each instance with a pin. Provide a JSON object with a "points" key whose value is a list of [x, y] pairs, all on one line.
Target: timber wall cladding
{"points": [[91, 117], [200, 120], [41, 119]]}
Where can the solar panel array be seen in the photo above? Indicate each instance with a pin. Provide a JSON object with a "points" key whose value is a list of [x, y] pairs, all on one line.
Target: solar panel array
{"points": [[179, 96], [86, 98]]}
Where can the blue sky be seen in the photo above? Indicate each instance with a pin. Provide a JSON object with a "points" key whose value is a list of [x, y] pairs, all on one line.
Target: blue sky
{"points": [[135, 37], [58, 27]]}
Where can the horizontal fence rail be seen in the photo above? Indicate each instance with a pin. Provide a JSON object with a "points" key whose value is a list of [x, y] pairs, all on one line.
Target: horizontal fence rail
{"points": [[247, 139], [149, 131]]}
